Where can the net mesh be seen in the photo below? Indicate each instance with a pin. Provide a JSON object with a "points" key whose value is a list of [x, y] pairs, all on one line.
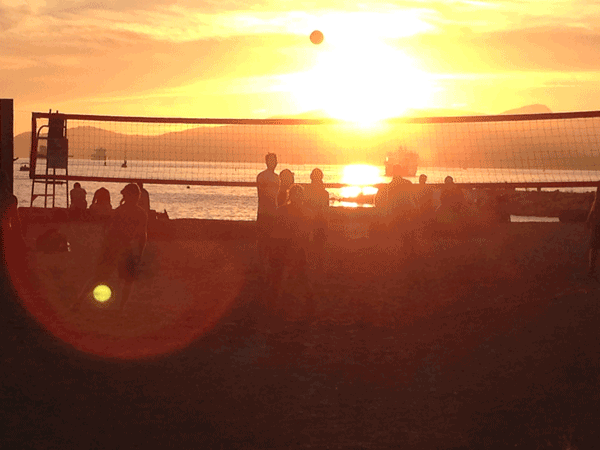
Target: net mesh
{"points": [[527, 149]]}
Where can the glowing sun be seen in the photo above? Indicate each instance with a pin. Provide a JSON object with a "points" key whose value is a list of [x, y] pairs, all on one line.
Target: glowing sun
{"points": [[364, 81]]}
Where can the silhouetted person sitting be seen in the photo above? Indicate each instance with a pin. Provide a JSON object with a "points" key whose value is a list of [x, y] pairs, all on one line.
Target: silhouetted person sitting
{"points": [[101, 206], [290, 240], [286, 180], [267, 185], [317, 199], [495, 209], [78, 200], [593, 225], [123, 246]]}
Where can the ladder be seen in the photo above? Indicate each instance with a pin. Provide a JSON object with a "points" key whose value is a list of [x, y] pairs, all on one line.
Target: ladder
{"points": [[56, 159]]}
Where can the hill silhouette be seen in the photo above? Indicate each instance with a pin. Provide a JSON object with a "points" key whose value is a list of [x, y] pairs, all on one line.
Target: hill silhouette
{"points": [[529, 109], [440, 112]]}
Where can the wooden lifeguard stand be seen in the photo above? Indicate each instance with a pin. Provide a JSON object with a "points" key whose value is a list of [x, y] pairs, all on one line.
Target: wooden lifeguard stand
{"points": [[57, 158]]}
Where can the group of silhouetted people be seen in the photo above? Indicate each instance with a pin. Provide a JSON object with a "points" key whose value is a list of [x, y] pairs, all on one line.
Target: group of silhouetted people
{"points": [[125, 237], [290, 219], [404, 204], [122, 246], [101, 207]]}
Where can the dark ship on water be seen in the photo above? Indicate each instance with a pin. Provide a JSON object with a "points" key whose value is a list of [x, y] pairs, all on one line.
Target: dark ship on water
{"points": [[402, 163]]}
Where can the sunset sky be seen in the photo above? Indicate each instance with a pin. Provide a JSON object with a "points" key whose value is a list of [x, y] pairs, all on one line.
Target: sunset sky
{"points": [[223, 58]]}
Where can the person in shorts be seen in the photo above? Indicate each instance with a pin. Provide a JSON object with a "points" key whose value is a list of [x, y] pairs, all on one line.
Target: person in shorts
{"points": [[317, 199], [267, 185], [123, 246]]}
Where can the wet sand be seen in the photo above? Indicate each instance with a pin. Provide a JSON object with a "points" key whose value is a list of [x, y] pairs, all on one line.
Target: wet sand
{"points": [[484, 340]]}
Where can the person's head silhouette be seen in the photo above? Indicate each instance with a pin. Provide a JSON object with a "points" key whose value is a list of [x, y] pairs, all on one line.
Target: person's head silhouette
{"points": [[286, 178], [131, 193], [316, 175], [296, 195], [271, 161]]}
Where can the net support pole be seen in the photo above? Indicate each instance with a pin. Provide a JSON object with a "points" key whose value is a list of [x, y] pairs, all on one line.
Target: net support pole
{"points": [[7, 138]]}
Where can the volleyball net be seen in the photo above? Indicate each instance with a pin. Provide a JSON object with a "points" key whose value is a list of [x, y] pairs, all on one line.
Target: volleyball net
{"points": [[536, 150]]}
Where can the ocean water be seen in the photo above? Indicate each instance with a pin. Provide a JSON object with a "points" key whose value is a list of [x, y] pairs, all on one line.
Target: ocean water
{"points": [[239, 203]]}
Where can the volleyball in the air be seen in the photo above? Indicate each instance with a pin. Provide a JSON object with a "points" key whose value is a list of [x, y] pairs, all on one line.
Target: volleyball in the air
{"points": [[316, 37]]}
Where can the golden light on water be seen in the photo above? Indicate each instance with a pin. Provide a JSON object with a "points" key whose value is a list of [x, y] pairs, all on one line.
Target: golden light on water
{"points": [[361, 175], [360, 178]]}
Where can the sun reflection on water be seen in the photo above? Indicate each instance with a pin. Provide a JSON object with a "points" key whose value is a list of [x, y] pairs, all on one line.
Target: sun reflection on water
{"points": [[360, 179]]}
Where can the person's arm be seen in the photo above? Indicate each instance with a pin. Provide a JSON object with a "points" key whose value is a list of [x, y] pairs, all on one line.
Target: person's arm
{"points": [[142, 237], [592, 218], [258, 185], [325, 199], [15, 221]]}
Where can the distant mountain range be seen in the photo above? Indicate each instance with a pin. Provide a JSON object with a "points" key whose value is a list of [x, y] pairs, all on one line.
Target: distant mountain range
{"points": [[81, 149], [494, 144], [529, 109]]}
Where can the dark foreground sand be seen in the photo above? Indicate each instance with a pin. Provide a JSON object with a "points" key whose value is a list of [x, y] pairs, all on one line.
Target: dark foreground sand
{"points": [[488, 340]]}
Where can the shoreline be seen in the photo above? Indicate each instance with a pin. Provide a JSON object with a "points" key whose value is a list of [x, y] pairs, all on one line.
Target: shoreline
{"points": [[509, 201]]}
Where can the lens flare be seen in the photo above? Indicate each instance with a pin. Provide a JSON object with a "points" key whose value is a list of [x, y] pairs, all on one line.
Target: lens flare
{"points": [[102, 293]]}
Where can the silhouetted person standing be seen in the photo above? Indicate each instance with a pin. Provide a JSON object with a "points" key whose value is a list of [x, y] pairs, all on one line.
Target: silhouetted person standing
{"points": [[402, 211], [317, 199], [123, 246], [452, 203], [267, 185], [593, 224], [11, 233], [452, 196], [286, 180], [424, 198], [401, 201], [290, 241]]}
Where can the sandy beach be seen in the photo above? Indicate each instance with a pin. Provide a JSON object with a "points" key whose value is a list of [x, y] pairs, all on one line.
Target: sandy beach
{"points": [[483, 340]]}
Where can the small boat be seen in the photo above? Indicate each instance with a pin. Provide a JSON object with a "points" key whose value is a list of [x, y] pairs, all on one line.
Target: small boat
{"points": [[24, 168]]}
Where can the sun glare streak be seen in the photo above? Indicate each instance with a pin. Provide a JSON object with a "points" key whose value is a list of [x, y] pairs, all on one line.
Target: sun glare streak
{"points": [[361, 175], [360, 179]]}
